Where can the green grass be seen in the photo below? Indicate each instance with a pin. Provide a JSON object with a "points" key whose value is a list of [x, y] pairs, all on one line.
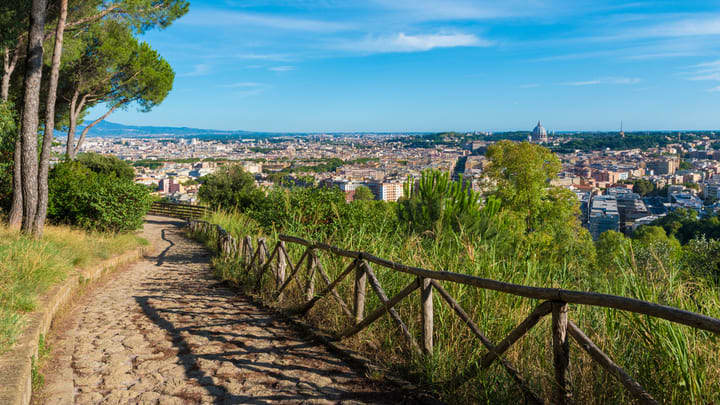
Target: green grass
{"points": [[28, 267], [676, 364]]}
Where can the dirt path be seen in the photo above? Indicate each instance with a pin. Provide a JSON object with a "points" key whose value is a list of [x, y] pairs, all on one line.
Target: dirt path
{"points": [[164, 331]]}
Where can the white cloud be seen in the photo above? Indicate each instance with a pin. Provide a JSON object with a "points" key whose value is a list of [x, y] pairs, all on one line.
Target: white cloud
{"points": [[434, 10], [242, 85], [402, 42], [215, 18], [248, 93], [707, 71], [604, 80], [281, 57], [670, 26], [198, 70], [281, 68]]}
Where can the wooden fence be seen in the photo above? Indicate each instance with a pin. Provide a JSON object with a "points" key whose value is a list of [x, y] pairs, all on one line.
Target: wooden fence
{"points": [[175, 210], [258, 262]]}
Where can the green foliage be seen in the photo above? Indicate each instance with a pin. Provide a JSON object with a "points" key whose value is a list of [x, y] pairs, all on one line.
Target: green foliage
{"points": [[107, 165], [685, 165], [113, 67], [8, 133], [363, 193], [702, 257], [95, 201], [230, 188], [643, 187], [611, 246], [521, 172], [592, 142], [685, 224], [435, 203], [541, 217]]}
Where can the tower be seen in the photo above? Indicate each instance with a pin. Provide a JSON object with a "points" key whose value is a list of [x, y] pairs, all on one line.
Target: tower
{"points": [[622, 133]]}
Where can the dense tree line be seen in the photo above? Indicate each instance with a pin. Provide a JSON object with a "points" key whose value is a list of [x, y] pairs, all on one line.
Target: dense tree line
{"points": [[615, 142], [101, 62]]}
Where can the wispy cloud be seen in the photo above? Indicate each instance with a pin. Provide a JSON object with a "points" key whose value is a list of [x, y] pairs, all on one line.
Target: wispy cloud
{"points": [[215, 18], [604, 80], [402, 42], [669, 26], [434, 10], [281, 68], [707, 71], [278, 57], [242, 85], [198, 70], [246, 89]]}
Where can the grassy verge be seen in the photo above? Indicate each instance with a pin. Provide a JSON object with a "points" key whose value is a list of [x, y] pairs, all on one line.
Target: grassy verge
{"points": [[28, 267], [676, 364]]}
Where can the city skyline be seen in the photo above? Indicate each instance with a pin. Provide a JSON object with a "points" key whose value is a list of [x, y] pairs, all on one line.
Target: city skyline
{"points": [[426, 66]]}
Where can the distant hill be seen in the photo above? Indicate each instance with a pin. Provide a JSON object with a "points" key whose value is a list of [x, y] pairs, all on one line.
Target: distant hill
{"points": [[112, 129]]}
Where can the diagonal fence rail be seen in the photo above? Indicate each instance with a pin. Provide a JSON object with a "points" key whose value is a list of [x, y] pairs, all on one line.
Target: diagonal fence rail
{"points": [[259, 262]]}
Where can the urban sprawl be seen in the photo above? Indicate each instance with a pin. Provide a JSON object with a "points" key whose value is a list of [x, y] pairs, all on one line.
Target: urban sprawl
{"points": [[682, 174]]}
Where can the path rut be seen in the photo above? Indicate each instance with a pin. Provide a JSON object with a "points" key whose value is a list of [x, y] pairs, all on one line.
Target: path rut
{"points": [[165, 331]]}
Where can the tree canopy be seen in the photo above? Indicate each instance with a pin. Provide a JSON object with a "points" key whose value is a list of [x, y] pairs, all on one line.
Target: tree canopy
{"points": [[362, 193]]}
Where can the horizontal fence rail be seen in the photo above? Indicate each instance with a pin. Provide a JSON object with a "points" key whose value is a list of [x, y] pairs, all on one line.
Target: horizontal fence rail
{"points": [[277, 263], [175, 210]]}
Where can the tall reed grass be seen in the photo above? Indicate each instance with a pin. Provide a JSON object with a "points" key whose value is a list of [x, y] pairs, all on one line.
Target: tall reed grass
{"points": [[675, 363], [28, 267]]}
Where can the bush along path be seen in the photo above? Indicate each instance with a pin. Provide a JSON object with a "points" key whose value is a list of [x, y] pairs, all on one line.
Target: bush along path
{"points": [[165, 331]]}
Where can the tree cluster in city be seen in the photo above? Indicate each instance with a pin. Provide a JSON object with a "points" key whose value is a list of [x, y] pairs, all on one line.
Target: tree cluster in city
{"points": [[60, 59]]}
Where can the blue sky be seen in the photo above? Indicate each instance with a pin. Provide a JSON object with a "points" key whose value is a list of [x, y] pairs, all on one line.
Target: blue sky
{"points": [[433, 65]]}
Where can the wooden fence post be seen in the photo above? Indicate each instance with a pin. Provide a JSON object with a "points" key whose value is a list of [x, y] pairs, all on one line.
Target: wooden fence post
{"points": [[247, 250], [561, 353], [426, 306], [360, 281], [310, 286], [281, 266]]}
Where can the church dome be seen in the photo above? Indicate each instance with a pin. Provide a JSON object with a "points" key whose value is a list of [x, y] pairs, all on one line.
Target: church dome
{"points": [[539, 132]]}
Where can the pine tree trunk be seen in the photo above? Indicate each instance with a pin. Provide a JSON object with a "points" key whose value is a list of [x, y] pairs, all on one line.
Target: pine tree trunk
{"points": [[9, 64], [44, 164], [31, 110], [5, 87], [70, 144], [16, 210]]}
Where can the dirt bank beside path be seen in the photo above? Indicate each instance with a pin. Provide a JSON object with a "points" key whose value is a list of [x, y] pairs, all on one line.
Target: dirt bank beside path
{"points": [[165, 331]]}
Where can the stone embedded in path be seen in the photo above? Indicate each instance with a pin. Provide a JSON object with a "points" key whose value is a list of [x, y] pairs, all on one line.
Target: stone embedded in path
{"points": [[165, 332]]}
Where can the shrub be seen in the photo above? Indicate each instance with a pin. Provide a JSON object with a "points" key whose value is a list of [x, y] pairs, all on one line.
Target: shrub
{"points": [[8, 132], [95, 201], [107, 165], [230, 188]]}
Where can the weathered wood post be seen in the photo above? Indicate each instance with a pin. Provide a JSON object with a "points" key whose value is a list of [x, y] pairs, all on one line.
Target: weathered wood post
{"points": [[561, 353], [426, 306], [360, 282], [310, 285], [247, 251], [282, 264], [262, 258]]}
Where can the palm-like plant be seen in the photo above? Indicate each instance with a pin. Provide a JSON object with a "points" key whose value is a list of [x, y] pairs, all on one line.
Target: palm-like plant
{"points": [[434, 202]]}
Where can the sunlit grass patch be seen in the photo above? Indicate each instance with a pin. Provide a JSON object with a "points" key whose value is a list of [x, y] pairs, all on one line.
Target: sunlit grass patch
{"points": [[28, 267]]}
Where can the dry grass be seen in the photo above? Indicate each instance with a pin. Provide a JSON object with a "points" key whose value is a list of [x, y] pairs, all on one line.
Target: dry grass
{"points": [[28, 267]]}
